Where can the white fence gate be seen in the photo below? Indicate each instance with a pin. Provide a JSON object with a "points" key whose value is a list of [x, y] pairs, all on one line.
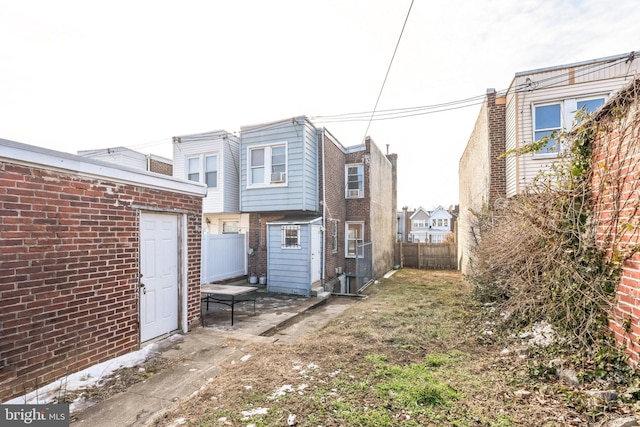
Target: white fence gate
{"points": [[223, 256]]}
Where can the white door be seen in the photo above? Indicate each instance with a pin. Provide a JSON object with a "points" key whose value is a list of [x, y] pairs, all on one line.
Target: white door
{"points": [[158, 274], [316, 252]]}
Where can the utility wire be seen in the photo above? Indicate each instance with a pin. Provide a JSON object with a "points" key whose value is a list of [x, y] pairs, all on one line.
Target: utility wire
{"points": [[399, 113], [388, 69]]}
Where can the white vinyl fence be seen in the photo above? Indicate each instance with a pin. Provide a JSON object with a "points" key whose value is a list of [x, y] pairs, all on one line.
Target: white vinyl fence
{"points": [[223, 256]]}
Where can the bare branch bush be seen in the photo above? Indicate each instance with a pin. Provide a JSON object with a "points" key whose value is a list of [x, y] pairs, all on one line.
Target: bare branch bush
{"points": [[556, 252]]}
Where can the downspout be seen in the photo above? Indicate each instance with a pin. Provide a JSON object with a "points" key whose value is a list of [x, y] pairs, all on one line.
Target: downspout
{"points": [[148, 162], [324, 214]]}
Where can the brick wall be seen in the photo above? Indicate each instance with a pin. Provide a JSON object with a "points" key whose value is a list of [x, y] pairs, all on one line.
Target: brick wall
{"points": [[68, 271], [358, 209], [497, 143], [334, 203], [258, 241], [616, 195], [160, 167]]}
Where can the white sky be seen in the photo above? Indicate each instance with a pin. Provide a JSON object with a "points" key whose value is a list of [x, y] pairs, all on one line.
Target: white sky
{"points": [[78, 75]]}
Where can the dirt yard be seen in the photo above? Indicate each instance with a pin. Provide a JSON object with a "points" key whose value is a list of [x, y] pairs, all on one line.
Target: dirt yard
{"points": [[412, 353]]}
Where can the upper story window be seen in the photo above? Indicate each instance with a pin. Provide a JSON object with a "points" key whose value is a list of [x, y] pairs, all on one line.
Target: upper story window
{"points": [[553, 117], [193, 169], [203, 166], [446, 222], [355, 181], [290, 237], [547, 119], [420, 223], [267, 165], [211, 171], [588, 105]]}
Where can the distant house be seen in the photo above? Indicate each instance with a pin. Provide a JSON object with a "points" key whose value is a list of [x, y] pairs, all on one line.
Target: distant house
{"points": [[536, 104], [127, 157], [430, 226]]}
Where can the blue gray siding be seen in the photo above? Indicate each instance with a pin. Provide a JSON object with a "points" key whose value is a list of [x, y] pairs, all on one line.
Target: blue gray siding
{"points": [[288, 270], [301, 190]]}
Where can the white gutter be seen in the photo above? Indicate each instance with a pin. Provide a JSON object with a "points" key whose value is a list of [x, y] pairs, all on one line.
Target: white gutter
{"points": [[324, 214], [29, 155]]}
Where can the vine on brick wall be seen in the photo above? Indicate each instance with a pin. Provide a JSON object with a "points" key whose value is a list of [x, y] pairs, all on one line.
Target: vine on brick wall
{"points": [[539, 255]]}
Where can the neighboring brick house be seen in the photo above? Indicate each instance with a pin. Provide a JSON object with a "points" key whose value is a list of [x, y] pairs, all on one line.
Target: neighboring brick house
{"points": [[127, 157], [616, 195], [298, 182], [83, 257], [537, 103]]}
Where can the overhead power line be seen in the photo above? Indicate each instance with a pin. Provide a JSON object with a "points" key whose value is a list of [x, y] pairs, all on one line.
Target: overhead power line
{"points": [[388, 69], [399, 113]]}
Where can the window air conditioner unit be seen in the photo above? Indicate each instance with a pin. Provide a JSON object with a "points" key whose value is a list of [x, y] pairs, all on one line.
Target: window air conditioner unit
{"points": [[278, 177], [353, 193]]}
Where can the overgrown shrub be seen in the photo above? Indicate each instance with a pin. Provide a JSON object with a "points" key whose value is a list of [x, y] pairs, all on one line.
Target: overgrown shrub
{"points": [[537, 256]]}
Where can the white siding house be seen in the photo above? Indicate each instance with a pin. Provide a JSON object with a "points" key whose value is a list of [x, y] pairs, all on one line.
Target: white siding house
{"points": [[543, 100], [212, 158], [537, 103], [431, 227], [127, 157]]}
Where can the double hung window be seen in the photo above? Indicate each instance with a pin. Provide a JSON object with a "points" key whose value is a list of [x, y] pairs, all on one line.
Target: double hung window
{"points": [[267, 165], [355, 181], [354, 239], [203, 168], [557, 116]]}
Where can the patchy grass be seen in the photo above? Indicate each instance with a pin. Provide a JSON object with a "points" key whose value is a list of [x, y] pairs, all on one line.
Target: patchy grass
{"points": [[411, 354]]}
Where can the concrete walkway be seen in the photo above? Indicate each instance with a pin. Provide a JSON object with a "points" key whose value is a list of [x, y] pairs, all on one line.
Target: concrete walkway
{"points": [[201, 353]]}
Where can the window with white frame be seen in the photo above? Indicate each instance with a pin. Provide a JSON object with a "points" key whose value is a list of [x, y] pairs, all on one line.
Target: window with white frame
{"points": [[211, 171], [547, 120], [433, 222], [334, 236], [355, 181], [267, 165], [553, 117], [446, 222], [193, 169], [354, 239], [420, 223], [290, 237], [587, 105], [203, 168]]}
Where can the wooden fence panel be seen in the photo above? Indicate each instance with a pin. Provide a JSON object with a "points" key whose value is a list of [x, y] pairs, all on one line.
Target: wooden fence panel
{"points": [[434, 256]]}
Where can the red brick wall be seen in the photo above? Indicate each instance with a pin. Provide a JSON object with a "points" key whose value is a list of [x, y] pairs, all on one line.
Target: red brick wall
{"points": [[359, 209], [616, 185], [68, 271], [496, 107], [258, 241], [335, 204], [160, 167]]}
